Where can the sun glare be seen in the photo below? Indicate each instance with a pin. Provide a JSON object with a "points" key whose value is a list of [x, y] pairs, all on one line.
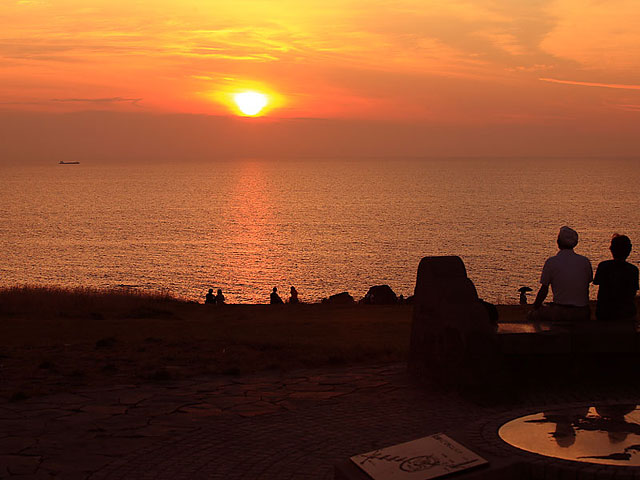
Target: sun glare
{"points": [[250, 103]]}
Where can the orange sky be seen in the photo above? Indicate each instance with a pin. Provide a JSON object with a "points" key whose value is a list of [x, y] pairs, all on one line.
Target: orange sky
{"points": [[570, 65]]}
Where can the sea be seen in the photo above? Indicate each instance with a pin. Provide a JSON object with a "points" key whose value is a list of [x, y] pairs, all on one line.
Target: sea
{"points": [[322, 225]]}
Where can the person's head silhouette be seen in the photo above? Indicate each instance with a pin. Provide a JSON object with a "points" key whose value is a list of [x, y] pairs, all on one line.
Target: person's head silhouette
{"points": [[567, 238], [620, 246]]}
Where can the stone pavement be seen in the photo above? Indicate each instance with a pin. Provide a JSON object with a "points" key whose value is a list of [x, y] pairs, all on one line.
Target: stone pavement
{"points": [[274, 426]]}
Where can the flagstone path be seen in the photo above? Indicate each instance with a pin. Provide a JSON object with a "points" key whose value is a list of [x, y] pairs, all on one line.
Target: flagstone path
{"points": [[292, 425]]}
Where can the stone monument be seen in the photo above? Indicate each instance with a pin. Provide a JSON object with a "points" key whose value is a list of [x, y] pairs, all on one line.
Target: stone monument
{"points": [[453, 339]]}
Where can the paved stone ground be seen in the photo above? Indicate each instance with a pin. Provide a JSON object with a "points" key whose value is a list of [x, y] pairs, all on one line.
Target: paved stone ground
{"points": [[269, 426]]}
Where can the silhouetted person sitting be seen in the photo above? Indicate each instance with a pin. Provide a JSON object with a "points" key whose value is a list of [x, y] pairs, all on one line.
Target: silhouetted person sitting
{"points": [[209, 297], [569, 275], [275, 298], [618, 284], [294, 295], [219, 298]]}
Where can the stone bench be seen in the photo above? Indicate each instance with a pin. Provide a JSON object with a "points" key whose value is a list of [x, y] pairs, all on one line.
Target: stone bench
{"points": [[454, 342], [592, 352], [524, 338]]}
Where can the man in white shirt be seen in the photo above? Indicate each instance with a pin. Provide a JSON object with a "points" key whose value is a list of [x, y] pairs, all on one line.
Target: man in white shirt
{"points": [[569, 275]]}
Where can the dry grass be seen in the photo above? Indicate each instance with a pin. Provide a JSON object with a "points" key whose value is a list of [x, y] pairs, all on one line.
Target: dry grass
{"points": [[54, 339], [53, 301]]}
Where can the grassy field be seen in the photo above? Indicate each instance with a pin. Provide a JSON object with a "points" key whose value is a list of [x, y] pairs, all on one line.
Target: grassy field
{"points": [[55, 340]]}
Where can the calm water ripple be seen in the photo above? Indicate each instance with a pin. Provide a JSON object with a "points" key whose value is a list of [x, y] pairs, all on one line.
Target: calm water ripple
{"points": [[324, 226]]}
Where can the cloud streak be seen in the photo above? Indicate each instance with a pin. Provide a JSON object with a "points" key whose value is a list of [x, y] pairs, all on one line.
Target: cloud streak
{"points": [[591, 84], [629, 107], [132, 101]]}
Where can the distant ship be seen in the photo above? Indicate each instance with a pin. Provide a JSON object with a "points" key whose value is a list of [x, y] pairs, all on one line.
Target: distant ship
{"points": [[68, 163]]}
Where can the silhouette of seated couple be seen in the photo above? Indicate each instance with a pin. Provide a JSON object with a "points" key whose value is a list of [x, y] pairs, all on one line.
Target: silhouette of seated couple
{"points": [[274, 298], [217, 299], [569, 275]]}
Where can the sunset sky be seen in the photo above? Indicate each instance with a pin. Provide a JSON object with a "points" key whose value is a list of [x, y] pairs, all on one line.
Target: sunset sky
{"points": [[410, 77]]}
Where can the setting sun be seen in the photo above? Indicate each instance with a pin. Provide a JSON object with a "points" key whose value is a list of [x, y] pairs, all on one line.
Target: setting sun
{"points": [[250, 103]]}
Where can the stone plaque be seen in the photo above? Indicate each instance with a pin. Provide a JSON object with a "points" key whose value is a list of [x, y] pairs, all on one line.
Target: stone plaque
{"points": [[422, 459], [452, 335]]}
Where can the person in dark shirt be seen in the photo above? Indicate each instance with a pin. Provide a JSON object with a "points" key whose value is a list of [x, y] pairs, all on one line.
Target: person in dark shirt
{"points": [[275, 298], [618, 284], [209, 297]]}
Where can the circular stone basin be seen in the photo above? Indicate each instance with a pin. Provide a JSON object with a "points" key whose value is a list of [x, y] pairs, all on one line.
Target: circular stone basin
{"points": [[605, 434]]}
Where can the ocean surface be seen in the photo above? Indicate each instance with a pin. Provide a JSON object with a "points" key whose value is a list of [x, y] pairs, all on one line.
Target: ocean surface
{"points": [[325, 226]]}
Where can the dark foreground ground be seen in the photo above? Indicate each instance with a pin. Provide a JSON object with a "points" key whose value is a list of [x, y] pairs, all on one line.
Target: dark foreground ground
{"points": [[132, 389], [56, 341], [270, 425]]}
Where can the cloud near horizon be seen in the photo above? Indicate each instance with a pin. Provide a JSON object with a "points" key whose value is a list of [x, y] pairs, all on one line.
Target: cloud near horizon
{"points": [[108, 136]]}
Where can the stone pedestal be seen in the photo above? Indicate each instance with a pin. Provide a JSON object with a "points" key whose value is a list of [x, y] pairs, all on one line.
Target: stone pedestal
{"points": [[452, 337]]}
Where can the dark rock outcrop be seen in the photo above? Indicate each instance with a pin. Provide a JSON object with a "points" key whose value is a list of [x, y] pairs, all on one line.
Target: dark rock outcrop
{"points": [[380, 295], [342, 298]]}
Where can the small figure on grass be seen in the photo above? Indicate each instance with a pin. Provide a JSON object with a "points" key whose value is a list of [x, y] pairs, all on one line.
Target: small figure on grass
{"points": [[210, 297], [219, 297], [274, 298], [294, 296]]}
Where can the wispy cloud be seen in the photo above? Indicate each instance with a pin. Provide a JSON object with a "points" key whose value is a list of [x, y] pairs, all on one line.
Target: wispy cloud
{"points": [[132, 101], [628, 107], [592, 84], [23, 103]]}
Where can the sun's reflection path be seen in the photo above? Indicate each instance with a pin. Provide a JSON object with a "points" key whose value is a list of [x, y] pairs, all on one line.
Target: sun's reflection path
{"points": [[253, 238]]}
